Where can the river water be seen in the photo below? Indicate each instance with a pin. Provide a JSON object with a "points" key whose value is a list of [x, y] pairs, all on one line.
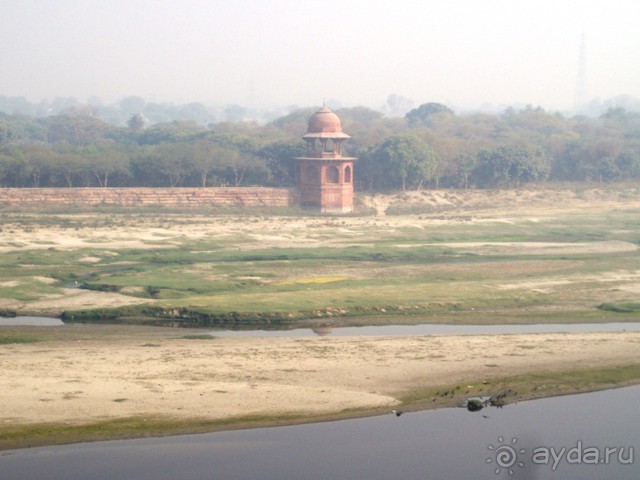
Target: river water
{"points": [[577, 437], [31, 321], [435, 329], [383, 330]]}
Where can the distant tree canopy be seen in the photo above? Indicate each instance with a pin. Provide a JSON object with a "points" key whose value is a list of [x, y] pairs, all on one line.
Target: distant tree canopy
{"points": [[511, 166], [401, 160], [425, 114], [430, 147]]}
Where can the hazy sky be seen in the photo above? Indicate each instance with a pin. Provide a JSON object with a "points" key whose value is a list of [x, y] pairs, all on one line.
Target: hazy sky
{"points": [[280, 52]]}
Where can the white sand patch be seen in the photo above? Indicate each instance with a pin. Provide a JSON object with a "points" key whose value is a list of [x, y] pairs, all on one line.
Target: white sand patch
{"points": [[545, 285], [47, 280], [542, 248], [89, 259], [75, 298], [633, 288]]}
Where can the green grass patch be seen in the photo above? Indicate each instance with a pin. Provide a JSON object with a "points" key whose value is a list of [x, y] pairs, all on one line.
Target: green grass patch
{"points": [[339, 268], [524, 387], [12, 338], [24, 436], [629, 307]]}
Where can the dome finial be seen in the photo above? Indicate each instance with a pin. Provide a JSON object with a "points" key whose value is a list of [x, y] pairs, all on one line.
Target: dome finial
{"points": [[324, 102]]}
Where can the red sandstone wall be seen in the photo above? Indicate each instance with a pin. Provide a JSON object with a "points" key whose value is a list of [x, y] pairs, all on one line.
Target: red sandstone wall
{"points": [[174, 197]]}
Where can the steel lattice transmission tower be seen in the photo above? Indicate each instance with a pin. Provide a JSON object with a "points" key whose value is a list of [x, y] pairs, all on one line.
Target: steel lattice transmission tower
{"points": [[582, 86]]}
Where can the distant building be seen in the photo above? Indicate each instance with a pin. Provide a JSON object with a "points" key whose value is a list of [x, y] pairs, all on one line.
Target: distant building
{"points": [[325, 177]]}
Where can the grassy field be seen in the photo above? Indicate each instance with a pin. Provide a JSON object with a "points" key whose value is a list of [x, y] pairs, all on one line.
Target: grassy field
{"points": [[504, 264]]}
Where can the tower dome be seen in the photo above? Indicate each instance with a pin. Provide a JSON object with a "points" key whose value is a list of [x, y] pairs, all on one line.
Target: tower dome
{"points": [[324, 124], [324, 120]]}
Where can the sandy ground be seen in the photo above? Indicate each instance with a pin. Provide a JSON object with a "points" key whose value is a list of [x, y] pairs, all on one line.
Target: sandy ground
{"points": [[88, 380], [74, 299], [440, 206]]}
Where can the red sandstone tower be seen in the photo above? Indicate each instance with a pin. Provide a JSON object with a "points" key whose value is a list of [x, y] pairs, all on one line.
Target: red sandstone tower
{"points": [[325, 177]]}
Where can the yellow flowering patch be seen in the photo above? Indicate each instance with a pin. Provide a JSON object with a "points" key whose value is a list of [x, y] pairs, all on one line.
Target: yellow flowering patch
{"points": [[314, 280]]}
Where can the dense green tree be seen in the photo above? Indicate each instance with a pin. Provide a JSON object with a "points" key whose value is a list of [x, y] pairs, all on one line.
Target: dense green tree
{"points": [[588, 158], [426, 114], [77, 126], [236, 168], [279, 157], [7, 133], [366, 128], [106, 161], [629, 164], [172, 161], [206, 158], [511, 166], [247, 170], [465, 164], [294, 125], [404, 161], [170, 132], [358, 118], [35, 160], [144, 168], [136, 123], [7, 168], [69, 167]]}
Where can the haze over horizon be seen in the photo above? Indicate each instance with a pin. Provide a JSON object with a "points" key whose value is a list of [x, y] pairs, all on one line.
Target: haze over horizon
{"points": [[462, 53]]}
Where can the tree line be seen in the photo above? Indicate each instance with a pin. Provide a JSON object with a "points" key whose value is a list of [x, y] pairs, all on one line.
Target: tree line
{"points": [[430, 147]]}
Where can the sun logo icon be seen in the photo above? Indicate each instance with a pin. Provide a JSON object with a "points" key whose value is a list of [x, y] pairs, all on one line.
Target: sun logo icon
{"points": [[506, 456]]}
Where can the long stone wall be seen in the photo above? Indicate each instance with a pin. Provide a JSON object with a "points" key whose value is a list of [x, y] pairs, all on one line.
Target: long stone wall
{"points": [[173, 197]]}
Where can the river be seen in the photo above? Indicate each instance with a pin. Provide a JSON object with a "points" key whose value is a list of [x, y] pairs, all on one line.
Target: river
{"points": [[383, 330], [435, 329], [577, 437]]}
